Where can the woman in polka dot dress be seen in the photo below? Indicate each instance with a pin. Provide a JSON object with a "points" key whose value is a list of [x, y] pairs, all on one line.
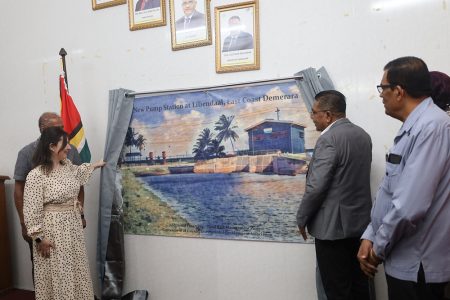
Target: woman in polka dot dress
{"points": [[52, 217]]}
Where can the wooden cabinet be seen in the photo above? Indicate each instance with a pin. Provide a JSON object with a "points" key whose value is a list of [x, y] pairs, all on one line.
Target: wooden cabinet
{"points": [[5, 254]]}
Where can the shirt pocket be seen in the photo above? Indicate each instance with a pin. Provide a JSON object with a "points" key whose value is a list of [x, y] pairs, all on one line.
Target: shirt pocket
{"points": [[390, 180]]}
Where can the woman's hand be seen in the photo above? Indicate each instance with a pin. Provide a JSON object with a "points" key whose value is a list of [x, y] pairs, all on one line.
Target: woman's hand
{"points": [[44, 247], [25, 235], [99, 164]]}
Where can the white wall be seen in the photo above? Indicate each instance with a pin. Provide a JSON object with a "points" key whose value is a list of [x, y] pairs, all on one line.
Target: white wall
{"points": [[353, 39]]}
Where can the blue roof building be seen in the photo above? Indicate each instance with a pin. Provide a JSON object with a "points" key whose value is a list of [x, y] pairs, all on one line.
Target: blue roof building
{"points": [[273, 135]]}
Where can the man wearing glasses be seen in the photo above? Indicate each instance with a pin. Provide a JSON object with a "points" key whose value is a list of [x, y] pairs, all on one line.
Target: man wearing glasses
{"points": [[337, 200], [410, 224]]}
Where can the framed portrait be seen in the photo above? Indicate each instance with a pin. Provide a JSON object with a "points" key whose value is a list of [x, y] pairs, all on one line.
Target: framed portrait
{"points": [[237, 37], [146, 13], [99, 4], [190, 23]]}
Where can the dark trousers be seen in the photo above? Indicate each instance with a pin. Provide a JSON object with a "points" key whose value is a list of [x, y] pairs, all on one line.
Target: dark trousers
{"points": [[410, 290], [30, 245], [339, 268]]}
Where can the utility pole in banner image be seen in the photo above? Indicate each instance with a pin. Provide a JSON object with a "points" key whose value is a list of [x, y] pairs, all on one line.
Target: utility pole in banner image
{"points": [[278, 113]]}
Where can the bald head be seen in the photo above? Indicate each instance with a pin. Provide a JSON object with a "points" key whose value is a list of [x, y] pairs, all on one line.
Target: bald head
{"points": [[49, 119]]}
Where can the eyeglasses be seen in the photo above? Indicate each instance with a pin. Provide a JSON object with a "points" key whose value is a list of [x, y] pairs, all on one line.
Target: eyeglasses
{"points": [[314, 112], [381, 87]]}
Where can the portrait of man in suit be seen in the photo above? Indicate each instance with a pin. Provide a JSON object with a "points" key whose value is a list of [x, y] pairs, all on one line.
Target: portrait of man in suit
{"points": [[192, 18], [147, 4], [237, 39], [336, 205]]}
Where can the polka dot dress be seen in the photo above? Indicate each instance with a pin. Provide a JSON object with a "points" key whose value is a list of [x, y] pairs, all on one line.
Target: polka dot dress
{"points": [[50, 211]]}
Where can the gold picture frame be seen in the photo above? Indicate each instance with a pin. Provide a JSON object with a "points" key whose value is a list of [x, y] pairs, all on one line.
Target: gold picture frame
{"points": [[190, 23], [99, 4], [237, 37], [146, 13]]}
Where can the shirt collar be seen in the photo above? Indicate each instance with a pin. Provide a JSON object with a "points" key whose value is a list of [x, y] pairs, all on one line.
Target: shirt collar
{"points": [[190, 16], [235, 35], [413, 117], [329, 126]]}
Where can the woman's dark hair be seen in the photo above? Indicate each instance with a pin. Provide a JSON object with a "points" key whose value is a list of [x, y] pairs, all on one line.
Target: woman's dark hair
{"points": [[440, 89], [42, 155]]}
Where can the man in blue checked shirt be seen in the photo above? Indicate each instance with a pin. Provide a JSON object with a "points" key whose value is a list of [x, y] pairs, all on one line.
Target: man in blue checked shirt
{"points": [[410, 224]]}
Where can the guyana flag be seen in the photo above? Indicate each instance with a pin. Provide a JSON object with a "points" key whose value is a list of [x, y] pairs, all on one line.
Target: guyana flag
{"points": [[72, 122]]}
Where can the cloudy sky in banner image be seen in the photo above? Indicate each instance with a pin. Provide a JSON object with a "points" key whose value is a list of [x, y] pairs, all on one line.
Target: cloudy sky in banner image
{"points": [[175, 130]]}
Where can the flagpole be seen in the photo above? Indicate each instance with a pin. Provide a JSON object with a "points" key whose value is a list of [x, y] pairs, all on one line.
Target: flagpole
{"points": [[63, 54]]}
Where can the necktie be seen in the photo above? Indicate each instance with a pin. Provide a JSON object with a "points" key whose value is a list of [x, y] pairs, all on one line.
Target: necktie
{"points": [[143, 4], [232, 39], [187, 20]]}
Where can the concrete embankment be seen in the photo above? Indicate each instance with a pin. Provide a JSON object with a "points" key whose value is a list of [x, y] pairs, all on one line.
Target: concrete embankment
{"points": [[281, 165]]}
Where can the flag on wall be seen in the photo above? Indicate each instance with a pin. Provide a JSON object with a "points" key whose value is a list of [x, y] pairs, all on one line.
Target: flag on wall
{"points": [[72, 122]]}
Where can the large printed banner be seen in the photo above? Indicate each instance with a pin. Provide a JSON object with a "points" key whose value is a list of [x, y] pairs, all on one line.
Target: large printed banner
{"points": [[226, 163]]}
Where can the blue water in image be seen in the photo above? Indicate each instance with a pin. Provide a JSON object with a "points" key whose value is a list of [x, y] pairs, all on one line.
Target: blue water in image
{"points": [[236, 205]]}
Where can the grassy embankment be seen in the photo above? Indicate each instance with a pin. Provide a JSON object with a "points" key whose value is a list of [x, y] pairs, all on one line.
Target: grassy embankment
{"points": [[145, 213]]}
